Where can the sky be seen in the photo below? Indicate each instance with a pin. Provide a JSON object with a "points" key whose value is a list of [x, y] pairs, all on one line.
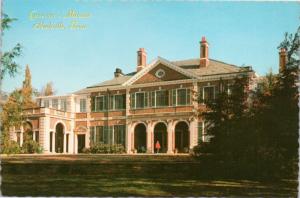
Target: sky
{"points": [[240, 33]]}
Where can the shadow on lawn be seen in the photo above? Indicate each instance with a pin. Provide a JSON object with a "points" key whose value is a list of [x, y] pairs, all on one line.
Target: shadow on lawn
{"points": [[129, 177]]}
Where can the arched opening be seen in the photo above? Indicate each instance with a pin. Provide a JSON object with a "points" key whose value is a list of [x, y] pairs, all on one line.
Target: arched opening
{"points": [[161, 135], [140, 138], [182, 137], [59, 138], [28, 133]]}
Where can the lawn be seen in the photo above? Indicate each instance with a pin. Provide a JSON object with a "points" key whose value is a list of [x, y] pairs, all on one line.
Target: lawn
{"points": [[126, 175]]}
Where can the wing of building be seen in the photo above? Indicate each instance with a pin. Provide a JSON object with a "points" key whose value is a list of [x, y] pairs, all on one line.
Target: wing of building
{"points": [[159, 102]]}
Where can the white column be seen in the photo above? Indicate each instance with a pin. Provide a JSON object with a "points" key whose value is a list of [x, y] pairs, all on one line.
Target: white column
{"points": [[65, 145], [21, 135], [150, 137], [128, 138], [170, 136], [53, 141], [193, 132]]}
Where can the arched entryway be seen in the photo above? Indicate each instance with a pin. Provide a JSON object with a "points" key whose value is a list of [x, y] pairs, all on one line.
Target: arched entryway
{"points": [[161, 135], [182, 137], [59, 138], [140, 138]]}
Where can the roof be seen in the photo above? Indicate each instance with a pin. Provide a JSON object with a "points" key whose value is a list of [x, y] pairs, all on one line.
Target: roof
{"points": [[214, 67], [115, 81], [188, 66]]}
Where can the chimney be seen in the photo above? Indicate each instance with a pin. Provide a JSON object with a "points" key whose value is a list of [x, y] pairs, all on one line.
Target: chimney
{"points": [[204, 61], [118, 73], [282, 59], [141, 59]]}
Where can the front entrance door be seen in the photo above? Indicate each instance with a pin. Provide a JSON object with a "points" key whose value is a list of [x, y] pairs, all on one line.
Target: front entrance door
{"points": [[81, 143]]}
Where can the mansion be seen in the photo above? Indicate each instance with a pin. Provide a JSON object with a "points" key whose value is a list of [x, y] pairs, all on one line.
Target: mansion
{"points": [[159, 101]]}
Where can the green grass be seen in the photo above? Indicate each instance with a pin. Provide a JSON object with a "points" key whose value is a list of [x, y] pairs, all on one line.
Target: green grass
{"points": [[122, 175]]}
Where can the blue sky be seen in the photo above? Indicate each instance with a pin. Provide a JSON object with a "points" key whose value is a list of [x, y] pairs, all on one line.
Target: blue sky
{"points": [[238, 33]]}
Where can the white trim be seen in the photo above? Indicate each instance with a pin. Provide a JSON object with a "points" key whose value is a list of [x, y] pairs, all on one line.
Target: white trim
{"points": [[214, 86], [155, 63]]}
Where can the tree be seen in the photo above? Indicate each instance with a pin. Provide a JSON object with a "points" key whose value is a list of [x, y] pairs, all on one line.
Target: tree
{"points": [[27, 89], [11, 115], [47, 90], [8, 65]]}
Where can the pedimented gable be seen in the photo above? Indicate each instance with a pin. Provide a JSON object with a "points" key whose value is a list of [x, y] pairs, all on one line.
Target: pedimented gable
{"points": [[161, 73]]}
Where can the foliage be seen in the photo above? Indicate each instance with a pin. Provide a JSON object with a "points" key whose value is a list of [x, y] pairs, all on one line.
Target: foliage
{"points": [[11, 147], [27, 90], [8, 65], [261, 137], [31, 146], [107, 148], [47, 90]]}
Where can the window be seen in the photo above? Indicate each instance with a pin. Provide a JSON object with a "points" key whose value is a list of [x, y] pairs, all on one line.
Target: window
{"points": [[183, 96], [82, 105], [139, 100], [119, 134], [99, 134], [63, 104], [55, 103], [200, 132], [208, 93], [120, 101], [92, 136], [46, 103], [101, 103], [162, 98], [37, 136]]}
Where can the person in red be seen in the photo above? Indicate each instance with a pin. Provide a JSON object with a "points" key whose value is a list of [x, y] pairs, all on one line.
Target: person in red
{"points": [[157, 146]]}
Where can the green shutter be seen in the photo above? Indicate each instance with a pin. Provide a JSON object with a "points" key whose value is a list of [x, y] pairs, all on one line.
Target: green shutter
{"points": [[146, 99], [132, 100], [153, 98], [200, 94], [188, 96], [92, 136], [111, 102], [174, 97], [93, 104], [200, 132]]}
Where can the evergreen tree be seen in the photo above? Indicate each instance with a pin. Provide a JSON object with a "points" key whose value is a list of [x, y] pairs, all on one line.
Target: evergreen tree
{"points": [[27, 90]]}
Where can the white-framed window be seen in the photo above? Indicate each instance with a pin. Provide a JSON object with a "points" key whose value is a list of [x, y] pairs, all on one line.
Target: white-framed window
{"points": [[161, 98], [55, 103], [82, 103], [100, 103], [208, 93], [139, 100], [46, 103], [119, 102], [183, 97], [63, 104]]}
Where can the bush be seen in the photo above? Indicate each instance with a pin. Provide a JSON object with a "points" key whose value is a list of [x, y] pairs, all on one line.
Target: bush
{"points": [[107, 148], [11, 147], [86, 150], [202, 147], [31, 146]]}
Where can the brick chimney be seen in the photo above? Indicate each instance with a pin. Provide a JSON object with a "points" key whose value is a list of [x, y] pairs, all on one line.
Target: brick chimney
{"points": [[282, 59], [141, 59], [204, 61], [118, 72]]}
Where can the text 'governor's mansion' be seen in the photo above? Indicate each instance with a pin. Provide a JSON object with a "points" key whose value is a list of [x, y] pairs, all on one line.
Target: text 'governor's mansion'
{"points": [[157, 102]]}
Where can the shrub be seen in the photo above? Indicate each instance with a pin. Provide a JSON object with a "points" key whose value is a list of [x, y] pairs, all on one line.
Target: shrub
{"points": [[107, 148], [11, 147], [202, 147], [86, 150], [31, 146]]}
